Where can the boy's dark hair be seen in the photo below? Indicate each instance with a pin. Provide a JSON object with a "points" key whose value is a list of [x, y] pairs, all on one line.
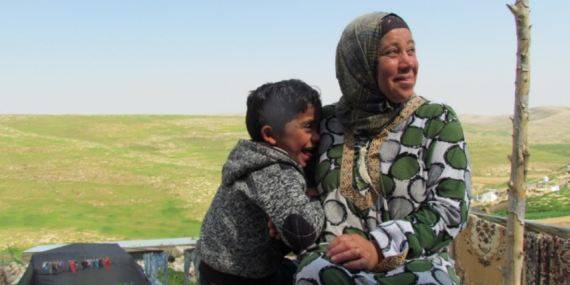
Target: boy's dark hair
{"points": [[276, 104]]}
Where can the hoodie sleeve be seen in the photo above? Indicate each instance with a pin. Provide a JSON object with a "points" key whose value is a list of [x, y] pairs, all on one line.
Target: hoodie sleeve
{"points": [[280, 192]]}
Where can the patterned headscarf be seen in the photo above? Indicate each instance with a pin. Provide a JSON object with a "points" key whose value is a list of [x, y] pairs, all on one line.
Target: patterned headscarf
{"points": [[363, 108]]}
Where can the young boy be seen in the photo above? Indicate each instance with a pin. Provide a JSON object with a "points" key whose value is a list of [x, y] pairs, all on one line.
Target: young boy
{"points": [[263, 181]]}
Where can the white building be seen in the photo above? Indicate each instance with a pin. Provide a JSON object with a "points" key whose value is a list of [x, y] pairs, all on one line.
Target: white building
{"points": [[488, 197]]}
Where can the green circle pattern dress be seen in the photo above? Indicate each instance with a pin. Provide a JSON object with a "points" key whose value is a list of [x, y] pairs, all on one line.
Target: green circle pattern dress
{"points": [[425, 183]]}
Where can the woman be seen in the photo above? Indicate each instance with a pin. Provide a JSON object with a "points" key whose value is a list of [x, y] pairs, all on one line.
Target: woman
{"points": [[393, 169]]}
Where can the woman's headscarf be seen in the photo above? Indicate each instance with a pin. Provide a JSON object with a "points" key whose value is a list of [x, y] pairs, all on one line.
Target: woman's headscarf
{"points": [[363, 108]]}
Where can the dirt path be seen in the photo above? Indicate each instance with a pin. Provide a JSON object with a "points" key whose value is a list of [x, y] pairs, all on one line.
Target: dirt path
{"points": [[560, 221]]}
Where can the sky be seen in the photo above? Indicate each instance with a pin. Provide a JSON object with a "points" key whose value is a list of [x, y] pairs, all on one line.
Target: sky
{"points": [[195, 57]]}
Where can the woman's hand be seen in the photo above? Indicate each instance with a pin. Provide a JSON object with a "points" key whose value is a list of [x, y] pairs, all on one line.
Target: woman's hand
{"points": [[353, 252], [273, 230]]}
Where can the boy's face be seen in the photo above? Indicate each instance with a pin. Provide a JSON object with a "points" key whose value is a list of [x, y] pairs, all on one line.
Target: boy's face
{"points": [[300, 136]]}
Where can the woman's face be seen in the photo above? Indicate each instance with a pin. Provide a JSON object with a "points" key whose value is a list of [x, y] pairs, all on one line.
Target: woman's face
{"points": [[397, 65]]}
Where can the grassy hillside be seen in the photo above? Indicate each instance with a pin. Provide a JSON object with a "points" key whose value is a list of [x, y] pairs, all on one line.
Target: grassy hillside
{"points": [[549, 205], [68, 178], [93, 178], [490, 143]]}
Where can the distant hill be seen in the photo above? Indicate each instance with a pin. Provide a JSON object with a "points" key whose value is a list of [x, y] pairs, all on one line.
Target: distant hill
{"points": [[489, 139], [548, 125]]}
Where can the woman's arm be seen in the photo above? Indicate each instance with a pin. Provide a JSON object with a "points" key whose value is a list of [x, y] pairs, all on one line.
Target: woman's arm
{"points": [[444, 212]]}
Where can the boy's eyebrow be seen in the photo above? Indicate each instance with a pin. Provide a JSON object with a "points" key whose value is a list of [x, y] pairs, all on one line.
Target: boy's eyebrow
{"points": [[309, 120]]}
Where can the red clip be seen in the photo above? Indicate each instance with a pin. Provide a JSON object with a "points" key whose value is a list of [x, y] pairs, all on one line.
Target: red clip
{"points": [[107, 263], [72, 265]]}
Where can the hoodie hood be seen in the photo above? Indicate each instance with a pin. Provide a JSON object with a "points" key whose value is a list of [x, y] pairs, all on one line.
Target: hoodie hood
{"points": [[248, 156]]}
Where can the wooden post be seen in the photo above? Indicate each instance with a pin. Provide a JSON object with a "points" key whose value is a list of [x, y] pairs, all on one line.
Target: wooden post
{"points": [[514, 263]]}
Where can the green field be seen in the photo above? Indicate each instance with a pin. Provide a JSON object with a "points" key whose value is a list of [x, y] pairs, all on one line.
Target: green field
{"points": [[550, 205], [99, 178], [85, 178]]}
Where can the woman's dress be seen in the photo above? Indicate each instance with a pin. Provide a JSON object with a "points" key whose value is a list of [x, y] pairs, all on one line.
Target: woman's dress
{"points": [[420, 167]]}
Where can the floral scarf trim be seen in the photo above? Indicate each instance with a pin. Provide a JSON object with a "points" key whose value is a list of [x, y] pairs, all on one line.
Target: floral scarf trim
{"points": [[371, 168]]}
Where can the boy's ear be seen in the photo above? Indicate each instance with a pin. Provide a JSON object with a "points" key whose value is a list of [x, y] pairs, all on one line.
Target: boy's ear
{"points": [[268, 135]]}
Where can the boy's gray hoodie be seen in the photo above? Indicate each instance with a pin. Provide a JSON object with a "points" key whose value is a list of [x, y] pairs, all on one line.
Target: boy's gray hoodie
{"points": [[259, 183]]}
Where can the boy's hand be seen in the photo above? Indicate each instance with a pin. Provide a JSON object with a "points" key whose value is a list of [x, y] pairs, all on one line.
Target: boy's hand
{"points": [[273, 230], [312, 192]]}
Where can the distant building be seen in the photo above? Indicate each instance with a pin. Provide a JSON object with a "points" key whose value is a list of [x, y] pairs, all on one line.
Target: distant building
{"points": [[489, 197], [542, 184]]}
